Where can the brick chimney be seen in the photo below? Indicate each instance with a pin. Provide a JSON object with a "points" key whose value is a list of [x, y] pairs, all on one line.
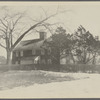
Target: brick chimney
{"points": [[42, 35]]}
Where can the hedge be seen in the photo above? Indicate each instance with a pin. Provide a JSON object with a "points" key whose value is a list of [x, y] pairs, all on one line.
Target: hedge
{"points": [[53, 67]]}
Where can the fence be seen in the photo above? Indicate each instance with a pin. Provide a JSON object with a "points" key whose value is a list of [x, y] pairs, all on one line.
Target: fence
{"points": [[55, 67], [36, 67]]}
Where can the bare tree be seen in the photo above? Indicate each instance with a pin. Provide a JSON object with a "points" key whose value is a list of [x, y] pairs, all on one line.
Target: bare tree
{"points": [[7, 29]]}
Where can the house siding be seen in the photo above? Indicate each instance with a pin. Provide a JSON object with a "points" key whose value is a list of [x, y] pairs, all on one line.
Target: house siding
{"points": [[22, 57], [30, 61], [27, 53]]}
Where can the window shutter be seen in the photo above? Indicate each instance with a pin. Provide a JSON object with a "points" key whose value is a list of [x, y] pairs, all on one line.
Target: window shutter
{"points": [[16, 53], [33, 52], [21, 53]]}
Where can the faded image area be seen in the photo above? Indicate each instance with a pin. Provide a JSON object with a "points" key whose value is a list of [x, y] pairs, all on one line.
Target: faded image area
{"points": [[49, 49]]}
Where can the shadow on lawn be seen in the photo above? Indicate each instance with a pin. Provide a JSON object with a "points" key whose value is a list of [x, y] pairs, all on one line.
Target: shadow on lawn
{"points": [[9, 80]]}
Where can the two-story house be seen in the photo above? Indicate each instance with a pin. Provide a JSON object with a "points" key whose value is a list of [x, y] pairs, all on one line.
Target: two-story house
{"points": [[32, 51]]}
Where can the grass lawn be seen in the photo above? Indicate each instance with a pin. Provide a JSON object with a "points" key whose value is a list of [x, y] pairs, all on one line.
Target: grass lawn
{"points": [[11, 79], [47, 84]]}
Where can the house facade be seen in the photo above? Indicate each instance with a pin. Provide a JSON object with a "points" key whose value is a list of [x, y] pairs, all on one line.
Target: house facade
{"points": [[37, 51], [32, 52]]}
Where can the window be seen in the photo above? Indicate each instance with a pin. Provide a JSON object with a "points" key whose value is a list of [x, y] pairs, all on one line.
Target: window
{"points": [[42, 52], [38, 52], [43, 61], [27, 53], [21, 53], [17, 53]]}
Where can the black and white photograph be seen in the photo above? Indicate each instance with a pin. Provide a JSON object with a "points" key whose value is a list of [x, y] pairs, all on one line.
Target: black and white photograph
{"points": [[49, 49]]}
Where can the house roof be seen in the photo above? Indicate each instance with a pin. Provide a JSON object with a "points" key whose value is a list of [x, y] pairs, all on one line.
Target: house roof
{"points": [[30, 44]]}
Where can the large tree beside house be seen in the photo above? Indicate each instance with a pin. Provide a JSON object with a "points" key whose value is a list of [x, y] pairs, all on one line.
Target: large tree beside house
{"points": [[86, 47], [82, 47], [8, 29], [61, 43]]}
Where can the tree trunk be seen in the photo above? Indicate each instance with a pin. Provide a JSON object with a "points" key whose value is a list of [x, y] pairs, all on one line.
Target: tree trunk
{"points": [[94, 59], [58, 60], [72, 57], [8, 57], [9, 62], [58, 56], [93, 62]]}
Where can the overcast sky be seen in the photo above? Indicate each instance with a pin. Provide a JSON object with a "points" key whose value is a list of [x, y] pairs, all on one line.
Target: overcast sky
{"points": [[86, 14]]}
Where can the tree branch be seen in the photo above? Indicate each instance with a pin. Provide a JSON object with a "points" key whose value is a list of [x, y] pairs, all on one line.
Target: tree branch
{"points": [[14, 23], [3, 23], [2, 46], [2, 31], [21, 37]]}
